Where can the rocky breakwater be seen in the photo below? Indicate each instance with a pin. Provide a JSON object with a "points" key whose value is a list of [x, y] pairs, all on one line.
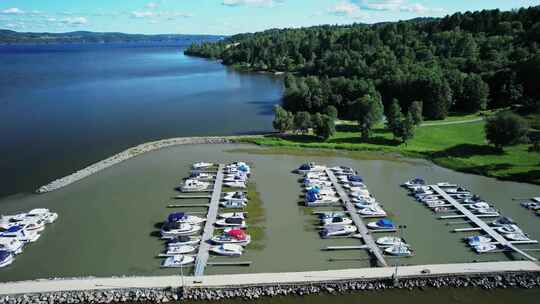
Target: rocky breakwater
{"points": [[127, 154], [153, 295]]}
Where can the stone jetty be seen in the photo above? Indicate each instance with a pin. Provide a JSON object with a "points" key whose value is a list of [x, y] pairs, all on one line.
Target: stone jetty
{"points": [[127, 154]]}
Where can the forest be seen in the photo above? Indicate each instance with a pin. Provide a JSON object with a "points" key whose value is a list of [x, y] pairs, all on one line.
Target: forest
{"points": [[464, 63]]}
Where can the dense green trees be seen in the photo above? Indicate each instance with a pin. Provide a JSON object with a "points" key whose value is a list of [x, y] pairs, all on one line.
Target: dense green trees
{"points": [[505, 129], [302, 121], [368, 111], [283, 120]]}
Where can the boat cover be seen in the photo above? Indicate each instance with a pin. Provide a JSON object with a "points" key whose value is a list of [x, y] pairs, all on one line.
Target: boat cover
{"points": [[4, 255], [234, 220], [237, 234], [304, 167], [176, 216], [355, 178], [311, 197], [385, 223]]}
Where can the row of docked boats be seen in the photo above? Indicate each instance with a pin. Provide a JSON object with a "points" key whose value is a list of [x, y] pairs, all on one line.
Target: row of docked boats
{"points": [[320, 191], [505, 226], [18, 230], [181, 230]]}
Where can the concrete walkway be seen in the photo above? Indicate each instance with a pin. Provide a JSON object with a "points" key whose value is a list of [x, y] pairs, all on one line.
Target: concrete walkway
{"points": [[239, 280]]}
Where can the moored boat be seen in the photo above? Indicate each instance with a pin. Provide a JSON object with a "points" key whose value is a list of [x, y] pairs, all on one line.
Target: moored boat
{"points": [[337, 230], [232, 215], [171, 230], [11, 245], [482, 248], [232, 204], [202, 165], [477, 240], [194, 185], [178, 250], [227, 249], [517, 237], [398, 250], [177, 261], [382, 224], [390, 241], [372, 211], [337, 220], [183, 240], [233, 236], [6, 258], [182, 217], [231, 222]]}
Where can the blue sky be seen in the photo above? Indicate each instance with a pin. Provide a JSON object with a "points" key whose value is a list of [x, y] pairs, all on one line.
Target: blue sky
{"points": [[221, 16]]}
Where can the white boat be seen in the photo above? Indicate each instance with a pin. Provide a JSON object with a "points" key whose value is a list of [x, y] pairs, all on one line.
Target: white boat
{"points": [[178, 250], [235, 178], [363, 199], [486, 211], [446, 184], [183, 240], [231, 222], [314, 199], [233, 236], [477, 240], [171, 230], [203, 176], [237, 167], [232, 204], [390, 241], [235, 195], [420, 189], [481, 248], [227, 249], [502, 221], [194, 185], [202, 165], [235, 184], [398, 250], [330, 214], [480, 205], [177, 261], [308, 167], [321, 175], [338, 220], [362, 205], [342, 170], [414, 182], [531, 205], [44, 214], [35, 224], [6, 258], [182, 217], [19, 233], [360, 193], [517, 237], [436, 203], [11, 245], [372, 211], [508, 229], [310, 182], [337, 230], [322, 191], [240, 215], [382, 224]]}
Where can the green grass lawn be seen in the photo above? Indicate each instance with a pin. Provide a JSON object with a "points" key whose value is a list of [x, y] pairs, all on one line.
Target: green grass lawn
{"points": [[460, 147]]}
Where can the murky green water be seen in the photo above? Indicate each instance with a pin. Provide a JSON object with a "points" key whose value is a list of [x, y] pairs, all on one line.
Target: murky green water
{"points": [[107, 221]]}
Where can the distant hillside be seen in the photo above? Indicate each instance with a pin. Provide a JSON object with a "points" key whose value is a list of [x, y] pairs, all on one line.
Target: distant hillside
{"points": [[7, 36]]}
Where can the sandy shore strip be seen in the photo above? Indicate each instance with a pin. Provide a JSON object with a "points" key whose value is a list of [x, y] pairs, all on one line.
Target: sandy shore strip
{"points": [[130, 153]]}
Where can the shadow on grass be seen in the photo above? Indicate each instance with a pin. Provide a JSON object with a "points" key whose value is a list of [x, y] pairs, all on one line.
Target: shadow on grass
{"points": [[532, 176], [487, 169], [346, 128], [374, 140], [467, 150]]}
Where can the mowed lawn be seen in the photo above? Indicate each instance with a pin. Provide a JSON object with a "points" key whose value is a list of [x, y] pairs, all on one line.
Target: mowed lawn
{"points": [[460, 146]]}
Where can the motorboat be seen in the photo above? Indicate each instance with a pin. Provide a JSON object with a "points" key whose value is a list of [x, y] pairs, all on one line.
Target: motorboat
{"points": [[231, 222], [382, 224], [420, 189], [322, 191], [480, 205], [318, 175], [235, 178], [363, 199], [354, 188], [235, 195], [330, 214], [398, 250], [360, 193], [235, 184], [314, 199], [487, 211], [232, 204], [178, 250], [6, 258], [446, 185], [337, 220], [43, 214], [11, 245], [342, 170], [436, 203], [502, 221], [201, 176], [311, 182], [194, 185], [227, 249], [414, 182], [202, 165], [308, 167], [429, 198], [472, 200], [517, 237], [390, 241], [422, 195], [508, 229], [482, 248], [182, 217], [171, 230], [177, 261], [337, 230], [240, 215], [183, 240], [477, 240], [363, 205], [35, 224], [237, 167], [19, 233], [233, 236], [441, 209], [372, 211], [531, 205]]}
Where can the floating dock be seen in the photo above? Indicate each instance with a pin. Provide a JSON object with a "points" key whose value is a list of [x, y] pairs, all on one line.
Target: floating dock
{"points": [[481, 224], [202, 256], [362, 229]]}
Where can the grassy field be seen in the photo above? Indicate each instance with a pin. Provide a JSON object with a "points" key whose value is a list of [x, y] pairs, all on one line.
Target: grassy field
{"points": [[460, 146]]}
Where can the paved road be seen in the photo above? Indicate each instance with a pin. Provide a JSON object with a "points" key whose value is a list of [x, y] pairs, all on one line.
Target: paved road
{"points": [[41, 286], [443, 123]]}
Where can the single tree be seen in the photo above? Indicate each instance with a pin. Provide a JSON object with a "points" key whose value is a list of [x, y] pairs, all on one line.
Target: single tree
{"points": [[415, 109], [368, 111], [326, 128], [407, 128], [505, 129], [394, 118], [302, 121], [283, 120], [331, 111]]}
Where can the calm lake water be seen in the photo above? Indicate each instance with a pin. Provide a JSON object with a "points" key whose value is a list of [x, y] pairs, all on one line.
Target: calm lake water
{"points": [[63, 107]]}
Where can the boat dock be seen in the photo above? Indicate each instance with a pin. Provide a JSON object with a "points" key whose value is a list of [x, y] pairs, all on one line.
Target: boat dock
{"points": [[357, 220], [202, 255], [481, 225]]}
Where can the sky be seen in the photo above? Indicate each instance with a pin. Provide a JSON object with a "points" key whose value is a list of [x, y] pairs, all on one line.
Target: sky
{"points": [[221, 17]]}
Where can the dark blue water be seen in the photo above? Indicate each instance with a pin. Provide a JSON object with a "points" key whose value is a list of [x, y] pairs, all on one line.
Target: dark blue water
{"points": [[65, 106]]}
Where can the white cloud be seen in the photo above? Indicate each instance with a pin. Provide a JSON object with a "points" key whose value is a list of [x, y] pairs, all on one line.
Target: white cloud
{"points": [[345, 9], [396, 5], [12, 11], [74, 21], [142, 14], [269, 3]]}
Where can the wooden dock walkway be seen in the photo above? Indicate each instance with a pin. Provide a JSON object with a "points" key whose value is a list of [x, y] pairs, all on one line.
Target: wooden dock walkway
{"points": [[362, 229], [202, 255], [481, 224]]}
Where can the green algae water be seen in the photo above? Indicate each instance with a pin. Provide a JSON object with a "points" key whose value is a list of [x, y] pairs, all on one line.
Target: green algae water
{"points": [[108, 223]]}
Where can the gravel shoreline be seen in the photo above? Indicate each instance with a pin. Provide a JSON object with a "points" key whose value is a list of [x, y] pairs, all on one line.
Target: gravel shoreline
{"points": [[163, 295], [128, 154]]}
